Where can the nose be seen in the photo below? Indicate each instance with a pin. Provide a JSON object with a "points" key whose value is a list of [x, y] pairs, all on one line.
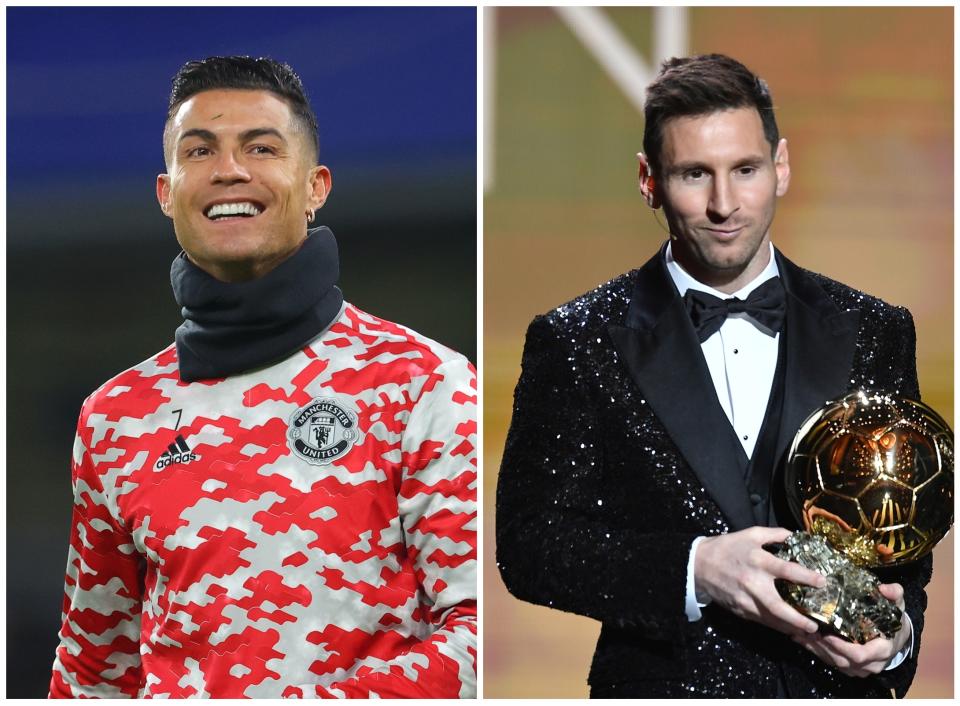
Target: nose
{"points": [[723, 199], [228, 169]]}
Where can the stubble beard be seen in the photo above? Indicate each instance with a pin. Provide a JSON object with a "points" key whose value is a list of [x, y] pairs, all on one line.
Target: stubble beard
{"points": [[714, 264]]}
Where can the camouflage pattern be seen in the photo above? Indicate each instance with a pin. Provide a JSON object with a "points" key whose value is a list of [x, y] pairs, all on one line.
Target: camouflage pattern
{"points": [[209, 558]]}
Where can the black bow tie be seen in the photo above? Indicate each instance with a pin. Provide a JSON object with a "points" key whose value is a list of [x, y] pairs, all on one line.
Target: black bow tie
{"points": [[765, 305]]}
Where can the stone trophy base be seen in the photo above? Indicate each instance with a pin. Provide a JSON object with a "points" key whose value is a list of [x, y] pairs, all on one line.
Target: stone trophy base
{"points": [[850, 604]]}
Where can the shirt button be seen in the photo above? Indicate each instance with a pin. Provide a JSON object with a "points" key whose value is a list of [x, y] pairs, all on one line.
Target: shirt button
{"points": [[745, 437], [755, 499], [736, 350]]}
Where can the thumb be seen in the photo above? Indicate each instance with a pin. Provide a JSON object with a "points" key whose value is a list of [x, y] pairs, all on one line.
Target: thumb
{"points": [[892, 591]]}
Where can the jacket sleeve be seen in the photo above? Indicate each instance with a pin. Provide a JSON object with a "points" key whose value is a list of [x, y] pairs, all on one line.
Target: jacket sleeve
{"points": [[914, 577], [98, 655], [557, 544], [438, 511]]}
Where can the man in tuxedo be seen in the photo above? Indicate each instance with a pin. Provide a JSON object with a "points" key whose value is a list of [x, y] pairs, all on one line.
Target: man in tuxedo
{"points": [[638, 484]]}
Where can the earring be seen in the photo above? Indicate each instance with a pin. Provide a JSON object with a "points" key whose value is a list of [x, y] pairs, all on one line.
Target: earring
{"points": [[311, 214]]}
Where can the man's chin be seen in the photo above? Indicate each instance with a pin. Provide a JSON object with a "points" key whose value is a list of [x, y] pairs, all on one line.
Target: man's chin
{"points": [[232, 257], [232, 244], [727, 266], [732, 257]]}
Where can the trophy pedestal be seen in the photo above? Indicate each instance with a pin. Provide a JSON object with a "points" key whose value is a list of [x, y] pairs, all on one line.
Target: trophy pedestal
{"points": [[850, 604]]}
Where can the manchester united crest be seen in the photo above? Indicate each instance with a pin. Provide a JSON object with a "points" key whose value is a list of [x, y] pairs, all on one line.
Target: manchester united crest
{"points": [[323, 430]]}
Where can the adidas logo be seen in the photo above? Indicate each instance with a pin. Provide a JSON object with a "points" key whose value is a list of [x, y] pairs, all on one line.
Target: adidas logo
{"points": [[177, 452]]}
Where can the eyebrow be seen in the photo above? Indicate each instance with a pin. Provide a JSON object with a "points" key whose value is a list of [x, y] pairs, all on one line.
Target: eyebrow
{"points": [[256, 132], [245, 136], [198, 132]]}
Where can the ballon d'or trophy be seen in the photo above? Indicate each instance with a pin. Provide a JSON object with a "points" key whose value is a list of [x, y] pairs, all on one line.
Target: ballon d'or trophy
{"points": [[870, 479]]}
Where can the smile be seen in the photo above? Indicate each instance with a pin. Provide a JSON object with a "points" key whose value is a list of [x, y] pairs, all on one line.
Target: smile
{"points": [[235, 209]]}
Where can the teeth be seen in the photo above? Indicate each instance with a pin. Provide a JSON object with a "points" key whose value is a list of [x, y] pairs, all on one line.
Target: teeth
{"points": [[242, 208]]}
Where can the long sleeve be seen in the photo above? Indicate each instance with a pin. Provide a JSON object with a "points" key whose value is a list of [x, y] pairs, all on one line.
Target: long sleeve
{"points": [[557, 545], [437, 503], [98, 655], [900, 350]]}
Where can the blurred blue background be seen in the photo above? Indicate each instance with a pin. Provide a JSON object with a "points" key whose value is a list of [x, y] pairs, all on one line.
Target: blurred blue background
{"points": [[88, 251], [394, 91]]}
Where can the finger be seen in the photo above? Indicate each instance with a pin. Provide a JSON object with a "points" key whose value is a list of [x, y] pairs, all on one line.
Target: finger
{"points": [[870, 658], [823, 648], [814, 644], [793, 572], [877, 650], [892, 591], [792, 625], [769, 535], [782, 616]]}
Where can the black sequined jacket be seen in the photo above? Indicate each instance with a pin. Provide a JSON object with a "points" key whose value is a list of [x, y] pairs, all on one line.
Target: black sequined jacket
{"points": [[610, 471]]}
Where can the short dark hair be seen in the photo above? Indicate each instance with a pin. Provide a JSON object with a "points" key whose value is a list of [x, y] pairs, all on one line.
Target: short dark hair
{"points": [[700, 85], [245, 73]]}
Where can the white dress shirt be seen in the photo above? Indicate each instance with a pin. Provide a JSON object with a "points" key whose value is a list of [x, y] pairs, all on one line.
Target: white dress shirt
{"points": [[742, 359]]}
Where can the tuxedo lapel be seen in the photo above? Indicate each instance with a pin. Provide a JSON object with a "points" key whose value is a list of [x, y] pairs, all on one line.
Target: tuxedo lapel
{"points": [[660, 350], [821, 342]]}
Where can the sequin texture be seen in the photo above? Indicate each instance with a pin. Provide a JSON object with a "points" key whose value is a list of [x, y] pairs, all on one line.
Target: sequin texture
{"points": [[597, 508]]}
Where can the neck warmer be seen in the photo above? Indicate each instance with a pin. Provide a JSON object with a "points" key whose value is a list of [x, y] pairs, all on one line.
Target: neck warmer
{"points": [[229, 327]]}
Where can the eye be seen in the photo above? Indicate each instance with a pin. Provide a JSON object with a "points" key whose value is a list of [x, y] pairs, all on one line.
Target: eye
{"points": [[263, 150], [694, 175], [746, 170], [199, 151]]}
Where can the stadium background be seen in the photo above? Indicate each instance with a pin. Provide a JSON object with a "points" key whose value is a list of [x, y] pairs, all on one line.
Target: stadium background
{"points": [[865, 98], [89, 253]]}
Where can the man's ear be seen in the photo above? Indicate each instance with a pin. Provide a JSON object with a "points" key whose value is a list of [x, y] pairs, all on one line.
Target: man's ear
{"points": [[781, 163], [321, 181], [647, 183], [163, 194]]}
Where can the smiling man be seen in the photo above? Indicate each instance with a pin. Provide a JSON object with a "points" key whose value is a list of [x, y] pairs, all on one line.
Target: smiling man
{"points": [[282, 503], [638, 483]]}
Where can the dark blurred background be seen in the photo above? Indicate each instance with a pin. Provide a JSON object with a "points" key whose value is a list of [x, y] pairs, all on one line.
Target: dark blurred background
{"points": [[89, 253]]}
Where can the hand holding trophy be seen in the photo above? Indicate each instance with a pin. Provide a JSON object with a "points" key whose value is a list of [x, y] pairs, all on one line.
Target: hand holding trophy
{"points": [[870, 479]]}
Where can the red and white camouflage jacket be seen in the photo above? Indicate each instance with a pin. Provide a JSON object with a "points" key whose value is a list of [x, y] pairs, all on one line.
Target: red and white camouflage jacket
{"points": [[306, 529]]}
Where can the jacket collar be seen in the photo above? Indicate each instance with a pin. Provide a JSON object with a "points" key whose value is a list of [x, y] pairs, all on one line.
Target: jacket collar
{"points": [[659, 348]]}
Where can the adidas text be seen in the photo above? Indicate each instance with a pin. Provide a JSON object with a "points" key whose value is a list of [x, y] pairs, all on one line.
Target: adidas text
{"points": [[165, 460], [177, 452]]}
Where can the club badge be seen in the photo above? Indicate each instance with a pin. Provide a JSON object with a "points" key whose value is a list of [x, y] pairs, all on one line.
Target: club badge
{"points": [[323, 430]]}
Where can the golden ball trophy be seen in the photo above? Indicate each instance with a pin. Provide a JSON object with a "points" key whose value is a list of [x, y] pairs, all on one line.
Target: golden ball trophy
{"points": [[870, 479]]}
